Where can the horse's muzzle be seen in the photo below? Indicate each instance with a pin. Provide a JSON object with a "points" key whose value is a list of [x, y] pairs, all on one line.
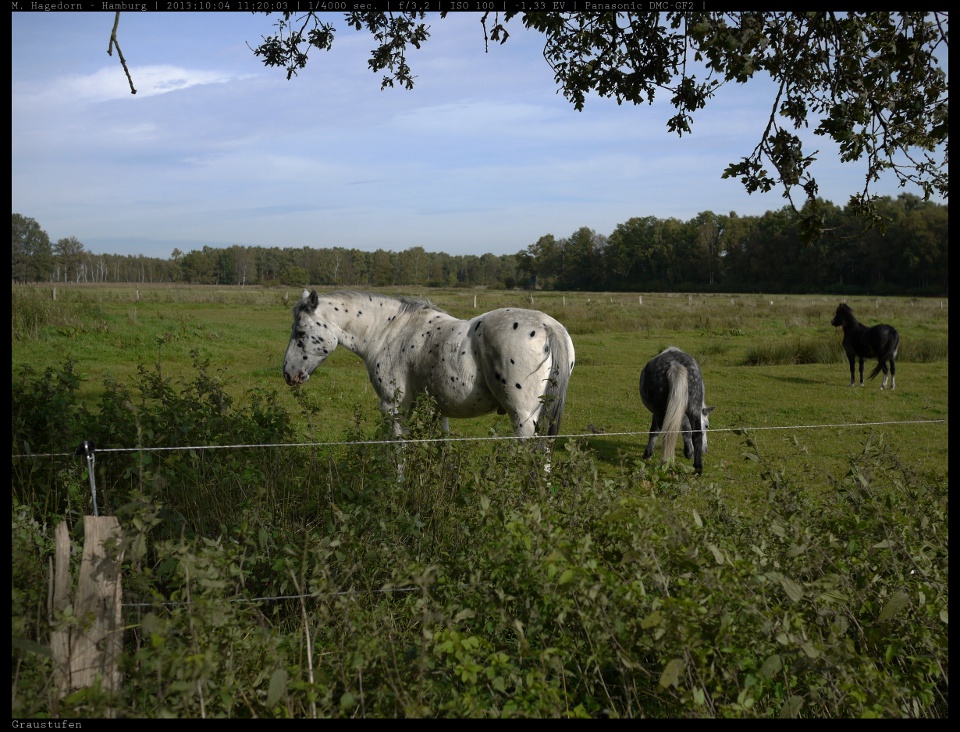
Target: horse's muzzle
{"points": [[296, 380]]}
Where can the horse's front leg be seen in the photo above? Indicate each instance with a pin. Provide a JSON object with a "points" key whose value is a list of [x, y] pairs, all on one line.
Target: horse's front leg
{"points": [[698, 453], [851, 360], [391, 412], [689, 447]]}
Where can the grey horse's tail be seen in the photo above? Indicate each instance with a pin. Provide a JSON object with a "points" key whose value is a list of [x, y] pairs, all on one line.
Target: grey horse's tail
{"points": [[676, 407], [555, 395]]}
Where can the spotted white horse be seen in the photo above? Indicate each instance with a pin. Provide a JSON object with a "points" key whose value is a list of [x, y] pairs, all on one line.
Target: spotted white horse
{"points": [[512, 360]]}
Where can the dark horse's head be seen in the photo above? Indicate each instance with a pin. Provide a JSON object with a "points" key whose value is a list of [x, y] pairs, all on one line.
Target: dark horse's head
{"points": [[843, 316]]}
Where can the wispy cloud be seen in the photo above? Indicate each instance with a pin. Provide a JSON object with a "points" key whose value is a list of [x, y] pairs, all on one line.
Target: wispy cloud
{"points": [[106, 84]]}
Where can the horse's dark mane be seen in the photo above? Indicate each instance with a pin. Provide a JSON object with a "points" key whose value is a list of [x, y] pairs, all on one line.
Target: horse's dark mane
{"points": [[847, 313]]}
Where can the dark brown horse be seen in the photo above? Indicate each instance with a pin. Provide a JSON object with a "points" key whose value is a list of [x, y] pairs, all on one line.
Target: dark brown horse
{"points": [[879, 341]]}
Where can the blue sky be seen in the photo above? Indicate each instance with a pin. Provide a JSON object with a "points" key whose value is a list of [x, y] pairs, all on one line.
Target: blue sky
{"points": [[483, 155]]}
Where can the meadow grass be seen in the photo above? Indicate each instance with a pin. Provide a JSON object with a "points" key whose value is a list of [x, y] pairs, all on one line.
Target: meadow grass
{"points": [[803, 574], [772, 365]]}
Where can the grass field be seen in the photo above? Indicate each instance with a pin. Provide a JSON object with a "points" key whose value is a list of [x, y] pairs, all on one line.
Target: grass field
{"points": [[801, 417], [803, 574]]}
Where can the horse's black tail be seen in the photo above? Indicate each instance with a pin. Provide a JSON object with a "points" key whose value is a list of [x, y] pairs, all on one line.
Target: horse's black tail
{"points": [[889, 354], [677, 401], [555, 394]]}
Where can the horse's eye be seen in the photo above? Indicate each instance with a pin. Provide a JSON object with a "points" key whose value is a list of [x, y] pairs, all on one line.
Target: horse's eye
{"points": [[301, 334]]}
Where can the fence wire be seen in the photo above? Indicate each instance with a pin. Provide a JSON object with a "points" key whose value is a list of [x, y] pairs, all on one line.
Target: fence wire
{"points": [[395, 441], [401, 440]]}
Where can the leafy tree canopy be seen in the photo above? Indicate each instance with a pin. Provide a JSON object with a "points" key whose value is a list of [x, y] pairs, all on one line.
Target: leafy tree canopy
{"points": [[872, 82]]}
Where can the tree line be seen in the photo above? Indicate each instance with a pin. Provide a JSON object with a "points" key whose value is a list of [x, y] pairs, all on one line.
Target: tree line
{"points": [[710, 252]]}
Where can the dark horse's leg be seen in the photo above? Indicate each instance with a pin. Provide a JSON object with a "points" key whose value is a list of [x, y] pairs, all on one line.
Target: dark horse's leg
{"points": [[883, 367], [852, 359], [697, 440], [861, 370], [654, 432], [893, 374], [688, 444]]}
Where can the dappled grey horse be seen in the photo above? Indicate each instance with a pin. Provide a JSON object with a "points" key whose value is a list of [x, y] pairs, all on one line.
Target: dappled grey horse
{"points": [[671, 386]]}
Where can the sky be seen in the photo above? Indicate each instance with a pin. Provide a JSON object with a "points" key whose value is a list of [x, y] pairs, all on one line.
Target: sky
{"points": [[484, 155]]}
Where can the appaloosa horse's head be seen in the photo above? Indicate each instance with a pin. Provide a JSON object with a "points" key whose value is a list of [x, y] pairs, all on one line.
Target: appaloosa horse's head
{"points": [[312, 339]]}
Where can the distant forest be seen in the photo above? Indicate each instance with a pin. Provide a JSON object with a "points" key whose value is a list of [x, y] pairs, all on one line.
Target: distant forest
{"points": [[709, 253]]}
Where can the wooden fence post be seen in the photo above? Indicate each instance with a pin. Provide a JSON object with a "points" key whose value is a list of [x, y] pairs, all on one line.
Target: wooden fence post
{"points": [[91, 648]]}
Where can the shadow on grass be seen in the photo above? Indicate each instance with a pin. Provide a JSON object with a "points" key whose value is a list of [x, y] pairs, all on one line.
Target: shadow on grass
{"points": [[797, 380]]}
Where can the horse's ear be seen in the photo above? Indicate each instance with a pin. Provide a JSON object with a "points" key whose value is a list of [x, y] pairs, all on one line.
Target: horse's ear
{"points": [[305, 294], [314, 299]]}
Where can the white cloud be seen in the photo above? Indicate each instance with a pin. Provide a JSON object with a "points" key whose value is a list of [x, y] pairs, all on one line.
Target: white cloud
{"points": [[110, 83]]}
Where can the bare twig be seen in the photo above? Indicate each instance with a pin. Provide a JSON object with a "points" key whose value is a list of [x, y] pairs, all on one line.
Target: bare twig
{"points": [[123, 61]]}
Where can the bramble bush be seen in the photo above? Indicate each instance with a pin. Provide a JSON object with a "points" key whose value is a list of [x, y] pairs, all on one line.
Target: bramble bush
{"points": [[459, 579]]}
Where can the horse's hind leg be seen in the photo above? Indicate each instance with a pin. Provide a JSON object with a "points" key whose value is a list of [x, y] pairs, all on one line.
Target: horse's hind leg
{"points": [[525, 425], [654, 433], [861, 372], [893, 375]]}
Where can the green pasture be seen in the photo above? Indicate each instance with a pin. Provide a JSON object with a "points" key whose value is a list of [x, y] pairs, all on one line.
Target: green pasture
{"points": [[803, 574], [773, 366]]}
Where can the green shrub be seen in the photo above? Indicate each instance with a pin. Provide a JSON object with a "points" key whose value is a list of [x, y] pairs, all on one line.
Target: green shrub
{"points": [[462, 579]]}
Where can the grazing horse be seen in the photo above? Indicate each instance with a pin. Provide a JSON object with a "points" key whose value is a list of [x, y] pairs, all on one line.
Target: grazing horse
{"points": [[513, 360], [671, 386], [879, 341]]}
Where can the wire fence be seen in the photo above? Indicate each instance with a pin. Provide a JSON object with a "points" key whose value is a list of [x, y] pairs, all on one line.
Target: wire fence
{"points": [[402, 440], [86, 449]]}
